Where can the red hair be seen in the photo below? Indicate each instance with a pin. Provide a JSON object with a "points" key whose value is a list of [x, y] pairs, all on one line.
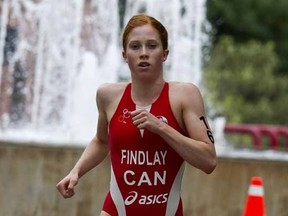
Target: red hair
{"points": [[140, 20]]}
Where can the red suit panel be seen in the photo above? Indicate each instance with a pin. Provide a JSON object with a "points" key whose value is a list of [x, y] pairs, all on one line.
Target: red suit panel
{"points": [[146, 173]]}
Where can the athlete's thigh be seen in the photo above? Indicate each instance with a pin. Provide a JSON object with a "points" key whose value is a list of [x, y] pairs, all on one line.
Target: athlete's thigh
{"points": [[103, 213]]}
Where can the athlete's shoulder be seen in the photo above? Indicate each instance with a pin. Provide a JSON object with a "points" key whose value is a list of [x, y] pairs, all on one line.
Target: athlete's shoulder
{"points": [[109, 92], [184, 89], [111, 88]]}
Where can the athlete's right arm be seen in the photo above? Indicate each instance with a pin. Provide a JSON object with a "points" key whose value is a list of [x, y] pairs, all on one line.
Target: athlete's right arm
{"points": [[94, 153]]}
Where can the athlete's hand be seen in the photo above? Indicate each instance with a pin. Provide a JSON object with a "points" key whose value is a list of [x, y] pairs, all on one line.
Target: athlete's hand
{"points": [[67, 184], [143, 119]]}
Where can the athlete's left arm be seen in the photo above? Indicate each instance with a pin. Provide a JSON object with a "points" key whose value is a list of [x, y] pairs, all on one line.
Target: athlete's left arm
{"points": [[198, 147]]}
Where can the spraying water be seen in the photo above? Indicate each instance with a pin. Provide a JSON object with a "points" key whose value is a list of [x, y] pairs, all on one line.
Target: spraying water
{"points": [[55, 54]]}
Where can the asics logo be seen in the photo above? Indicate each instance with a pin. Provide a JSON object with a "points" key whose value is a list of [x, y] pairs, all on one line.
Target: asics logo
{"points": [[146, 199], [131, 198]]}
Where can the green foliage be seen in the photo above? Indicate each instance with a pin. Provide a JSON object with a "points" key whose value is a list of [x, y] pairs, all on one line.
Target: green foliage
{"points": [[247, 74], [242, 84], [262, 20]]}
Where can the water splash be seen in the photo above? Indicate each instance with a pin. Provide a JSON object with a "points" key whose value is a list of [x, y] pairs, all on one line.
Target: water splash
{"points": [[65, 49]]}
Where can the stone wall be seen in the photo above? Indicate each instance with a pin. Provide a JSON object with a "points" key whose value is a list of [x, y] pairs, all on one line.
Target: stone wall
{"points": [[28, 175]]}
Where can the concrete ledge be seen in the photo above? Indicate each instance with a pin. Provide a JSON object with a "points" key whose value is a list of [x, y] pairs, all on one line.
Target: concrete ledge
{"points": [[29, 174]]}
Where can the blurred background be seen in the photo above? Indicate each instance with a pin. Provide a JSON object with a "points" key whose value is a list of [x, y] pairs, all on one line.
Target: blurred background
{"points": [[55, 54]]}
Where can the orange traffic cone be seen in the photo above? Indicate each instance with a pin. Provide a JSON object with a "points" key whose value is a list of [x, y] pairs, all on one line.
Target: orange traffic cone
{"points": [[255, 200]]}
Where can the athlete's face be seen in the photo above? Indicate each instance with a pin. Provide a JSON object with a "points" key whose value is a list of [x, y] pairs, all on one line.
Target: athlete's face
{"points": [[144, 52]]}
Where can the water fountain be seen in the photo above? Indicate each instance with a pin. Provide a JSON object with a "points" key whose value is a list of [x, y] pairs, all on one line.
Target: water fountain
{"points": [[63, 50]]}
